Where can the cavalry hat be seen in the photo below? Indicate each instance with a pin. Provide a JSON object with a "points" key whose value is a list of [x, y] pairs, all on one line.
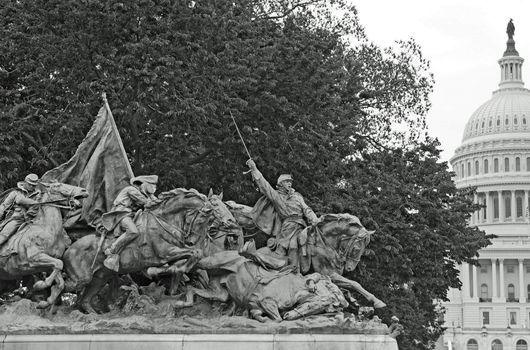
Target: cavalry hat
{"points": [[32, 179], [150, 179], [285, 177]]}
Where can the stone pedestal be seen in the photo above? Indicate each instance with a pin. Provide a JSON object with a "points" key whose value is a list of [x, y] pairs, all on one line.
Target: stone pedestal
{"points": [[199, 342]]}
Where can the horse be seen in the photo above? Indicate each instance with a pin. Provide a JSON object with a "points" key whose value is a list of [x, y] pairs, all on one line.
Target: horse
{"points": [[267, 294], [184, 225], [332, 246], [335, 245], [39, 244]]}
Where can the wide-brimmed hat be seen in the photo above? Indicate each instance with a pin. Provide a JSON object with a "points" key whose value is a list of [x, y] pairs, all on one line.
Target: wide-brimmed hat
{"points": [[150, 179], [32, 179], [285, 177]]}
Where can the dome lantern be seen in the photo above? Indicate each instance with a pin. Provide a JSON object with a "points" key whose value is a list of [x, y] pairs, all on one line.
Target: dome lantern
{"points": [[511, 63]]}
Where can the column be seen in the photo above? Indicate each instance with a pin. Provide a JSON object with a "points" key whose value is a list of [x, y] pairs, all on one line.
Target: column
{"points": [[501, 206], [501, 279], [475, 283], [522, 296], [494, 294], [489, 208], [475, 216], [514, 209], [464, 269]]}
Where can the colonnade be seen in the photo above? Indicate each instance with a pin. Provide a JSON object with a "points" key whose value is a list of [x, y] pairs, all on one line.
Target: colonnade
{"points": [[497, 284], [517, 210]]}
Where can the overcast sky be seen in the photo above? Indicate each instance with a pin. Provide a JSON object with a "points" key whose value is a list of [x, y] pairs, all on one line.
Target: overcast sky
{"points": [[463, 41]]}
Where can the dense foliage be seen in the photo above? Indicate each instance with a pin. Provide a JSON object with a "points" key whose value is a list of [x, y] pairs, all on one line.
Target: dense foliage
{"points": [[307, 100]]}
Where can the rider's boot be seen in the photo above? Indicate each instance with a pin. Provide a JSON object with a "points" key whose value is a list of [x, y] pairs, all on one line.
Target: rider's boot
{"points": [[112, 262]]}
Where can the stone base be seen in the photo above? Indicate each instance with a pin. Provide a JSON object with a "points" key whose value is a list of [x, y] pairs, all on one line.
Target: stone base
{"points": [[199, 341]]}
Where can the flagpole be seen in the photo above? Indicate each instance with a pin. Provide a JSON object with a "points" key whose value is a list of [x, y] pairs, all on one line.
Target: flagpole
{"points": [[115, 128]]}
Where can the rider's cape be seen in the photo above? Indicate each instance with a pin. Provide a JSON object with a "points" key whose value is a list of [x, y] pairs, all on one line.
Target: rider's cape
{"points": [[266, 217]]}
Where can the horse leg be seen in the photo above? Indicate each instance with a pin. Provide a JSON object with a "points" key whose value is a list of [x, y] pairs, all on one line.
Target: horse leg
{"points": [[343, 282], [174, 283], [99, 280]]}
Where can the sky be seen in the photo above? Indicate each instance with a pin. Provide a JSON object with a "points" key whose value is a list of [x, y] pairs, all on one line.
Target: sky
{"points": [[463, 41]]}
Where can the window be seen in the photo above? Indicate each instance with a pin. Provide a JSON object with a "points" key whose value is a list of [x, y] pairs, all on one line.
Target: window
{"points": [[511, 293], [517, 164], [495, 207], [472, 344], [496, 165], [528, 286], [476, 167], [484, 293], [524, 121], [506, 165], [513, 317], [485, 209], [507, 207], [515, 121], [506, 121], [510, 269], [485, 318], [521, 345], [486, 166], [489, 124], [519, 203], [484, 269], [468, 168], [462, 170], [498, 122], [496, 345], [527, 163]]}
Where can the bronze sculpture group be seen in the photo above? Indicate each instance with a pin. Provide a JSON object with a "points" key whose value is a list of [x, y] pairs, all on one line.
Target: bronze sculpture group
{"points": [[186, 233]]}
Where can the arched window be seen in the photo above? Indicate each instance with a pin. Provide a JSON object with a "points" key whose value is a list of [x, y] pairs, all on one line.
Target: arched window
{"points": [[476, 167], [496, 165], [506, 165], [472, 344], [519, 203], [489, 124], [507, 207], [517, 164], [498, 121], [521, 345], [462, 170], [528, 164], [485, 211], [484, 291], [468, 168], [528, 292], [496, 345], [511, 292], [486, 166], [515, 120], [524, 121]]}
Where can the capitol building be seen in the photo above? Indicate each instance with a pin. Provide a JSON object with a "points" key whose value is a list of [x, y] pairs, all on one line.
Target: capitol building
{"points": [[492, 309]]}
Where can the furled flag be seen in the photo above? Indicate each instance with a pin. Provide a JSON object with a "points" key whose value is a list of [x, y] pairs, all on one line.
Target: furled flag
{"points": [[100, 165]]}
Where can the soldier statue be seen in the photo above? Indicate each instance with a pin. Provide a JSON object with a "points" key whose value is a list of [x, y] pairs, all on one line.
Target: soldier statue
{"points": [[14, 207], [139, 195], [290, 207]]}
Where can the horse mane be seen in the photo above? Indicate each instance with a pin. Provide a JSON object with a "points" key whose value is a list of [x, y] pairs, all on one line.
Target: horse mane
{"points": [[186, 193], [349, 218]]}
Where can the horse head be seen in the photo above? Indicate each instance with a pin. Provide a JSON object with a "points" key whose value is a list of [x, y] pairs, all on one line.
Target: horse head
{"points": [[345, 234], [201, 217], [61, 193]]}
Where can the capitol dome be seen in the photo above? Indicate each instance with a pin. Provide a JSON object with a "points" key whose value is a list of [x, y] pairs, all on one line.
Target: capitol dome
{"points": [[494, 155]]}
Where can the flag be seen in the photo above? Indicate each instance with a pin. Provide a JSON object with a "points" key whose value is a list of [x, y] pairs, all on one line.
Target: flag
{"points": [[99, 165]]}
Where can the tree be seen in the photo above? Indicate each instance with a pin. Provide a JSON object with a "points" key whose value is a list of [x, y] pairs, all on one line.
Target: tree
{"points": [[307, 100]]}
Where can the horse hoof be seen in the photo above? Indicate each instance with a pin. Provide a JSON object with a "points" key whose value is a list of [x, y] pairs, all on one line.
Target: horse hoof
{"points": [[39, 285], [379, 304], [43, 304]]}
